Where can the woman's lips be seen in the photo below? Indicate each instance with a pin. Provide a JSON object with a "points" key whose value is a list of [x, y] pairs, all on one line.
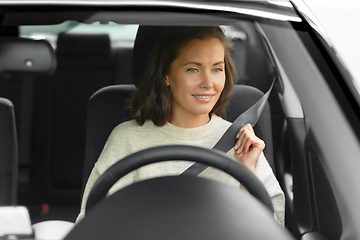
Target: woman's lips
{"points": [[203, 97]]}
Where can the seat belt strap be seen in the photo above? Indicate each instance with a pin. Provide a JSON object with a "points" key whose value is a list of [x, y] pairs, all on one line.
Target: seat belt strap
{"points": [[228, 140]]}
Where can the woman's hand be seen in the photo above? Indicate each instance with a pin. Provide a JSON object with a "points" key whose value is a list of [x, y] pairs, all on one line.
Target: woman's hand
{"points": [[248, 147]]}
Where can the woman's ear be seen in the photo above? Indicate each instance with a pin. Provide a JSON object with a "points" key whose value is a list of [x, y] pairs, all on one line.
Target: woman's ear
{"points": [[167, 81]]}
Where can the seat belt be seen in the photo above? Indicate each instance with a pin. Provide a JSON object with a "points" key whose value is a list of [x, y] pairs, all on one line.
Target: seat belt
{"points": [[228, 140]]}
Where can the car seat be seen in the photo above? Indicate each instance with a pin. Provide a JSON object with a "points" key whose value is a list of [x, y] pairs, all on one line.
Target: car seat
{"points": [[83, 66], [107, 108], [8, 154], [83, 60]]}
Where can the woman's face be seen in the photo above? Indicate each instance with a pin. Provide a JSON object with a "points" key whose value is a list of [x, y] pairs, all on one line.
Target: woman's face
{"points": [[196, 80]]}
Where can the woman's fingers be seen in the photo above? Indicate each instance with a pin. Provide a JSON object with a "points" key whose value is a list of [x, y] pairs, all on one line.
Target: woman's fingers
{"points": [[248, 147], [247, 142], [245, 138]]}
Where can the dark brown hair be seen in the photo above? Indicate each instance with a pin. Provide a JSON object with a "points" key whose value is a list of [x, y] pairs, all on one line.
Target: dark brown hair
{"points": [[153, 99]]}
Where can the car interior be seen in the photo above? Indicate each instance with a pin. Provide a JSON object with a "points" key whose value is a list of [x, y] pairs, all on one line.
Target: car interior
{"points": [[55, 121]]}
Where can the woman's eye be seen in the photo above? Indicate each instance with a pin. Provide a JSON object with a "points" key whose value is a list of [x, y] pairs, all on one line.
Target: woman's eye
{"points": [[217, 70], [192, 70]]}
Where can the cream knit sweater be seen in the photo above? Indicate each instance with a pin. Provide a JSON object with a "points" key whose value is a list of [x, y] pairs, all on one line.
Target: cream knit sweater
{"points": [[129, 137]]}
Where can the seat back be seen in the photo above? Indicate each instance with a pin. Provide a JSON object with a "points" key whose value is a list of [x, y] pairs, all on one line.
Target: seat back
{"points": [[244, 97], [84, 66], [83, 60], [106, 109], [8, 154]]}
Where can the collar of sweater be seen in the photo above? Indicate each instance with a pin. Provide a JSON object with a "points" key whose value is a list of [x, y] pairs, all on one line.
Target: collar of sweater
{"points": [[215, 125]]}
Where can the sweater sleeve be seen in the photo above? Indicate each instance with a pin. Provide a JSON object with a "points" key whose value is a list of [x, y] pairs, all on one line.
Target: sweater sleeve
{"points": [[265, 174], [114, 149], [89, 185]]}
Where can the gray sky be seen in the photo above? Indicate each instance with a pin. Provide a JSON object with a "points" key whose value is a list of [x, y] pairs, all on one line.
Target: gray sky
{"points": [[341, 21]]}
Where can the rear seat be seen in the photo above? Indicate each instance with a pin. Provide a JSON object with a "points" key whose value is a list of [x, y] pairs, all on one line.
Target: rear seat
{"points": [[84, 66], [122, 58], [8, 154], [52, 134]]}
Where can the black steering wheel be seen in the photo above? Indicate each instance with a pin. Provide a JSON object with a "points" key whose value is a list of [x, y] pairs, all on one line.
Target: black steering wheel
{"points": [[209, 157]]}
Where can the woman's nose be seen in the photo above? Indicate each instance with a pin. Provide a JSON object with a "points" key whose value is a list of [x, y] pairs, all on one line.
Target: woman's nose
{"points": [[207, 80]]}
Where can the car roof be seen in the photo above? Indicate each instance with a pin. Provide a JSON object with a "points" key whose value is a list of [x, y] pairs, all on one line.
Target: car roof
{"points": [[255, 4], [279, 9], [101, 2]]}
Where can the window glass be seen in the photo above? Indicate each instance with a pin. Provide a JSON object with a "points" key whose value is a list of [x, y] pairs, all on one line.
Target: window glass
{"points": [[120, 35]]}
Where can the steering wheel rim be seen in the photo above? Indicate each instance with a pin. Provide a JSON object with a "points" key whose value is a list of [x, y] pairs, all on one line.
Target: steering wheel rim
{"points": [[211, 157]]}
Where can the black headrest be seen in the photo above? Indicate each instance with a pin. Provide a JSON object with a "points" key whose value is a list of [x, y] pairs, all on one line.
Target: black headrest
{"points": [[144, 42]]}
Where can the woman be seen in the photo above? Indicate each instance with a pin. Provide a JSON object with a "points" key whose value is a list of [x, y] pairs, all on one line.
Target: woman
{"points": [[189, 79]]}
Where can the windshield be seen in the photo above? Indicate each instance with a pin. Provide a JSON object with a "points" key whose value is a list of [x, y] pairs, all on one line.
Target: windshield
{"points": [[63, 121]]}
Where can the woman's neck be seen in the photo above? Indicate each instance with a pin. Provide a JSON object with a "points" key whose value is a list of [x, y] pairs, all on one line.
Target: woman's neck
{"points": [[190, 121]]}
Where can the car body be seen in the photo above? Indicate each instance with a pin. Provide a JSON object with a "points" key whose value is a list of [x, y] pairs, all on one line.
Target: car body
{"points": [[315, 115]]}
